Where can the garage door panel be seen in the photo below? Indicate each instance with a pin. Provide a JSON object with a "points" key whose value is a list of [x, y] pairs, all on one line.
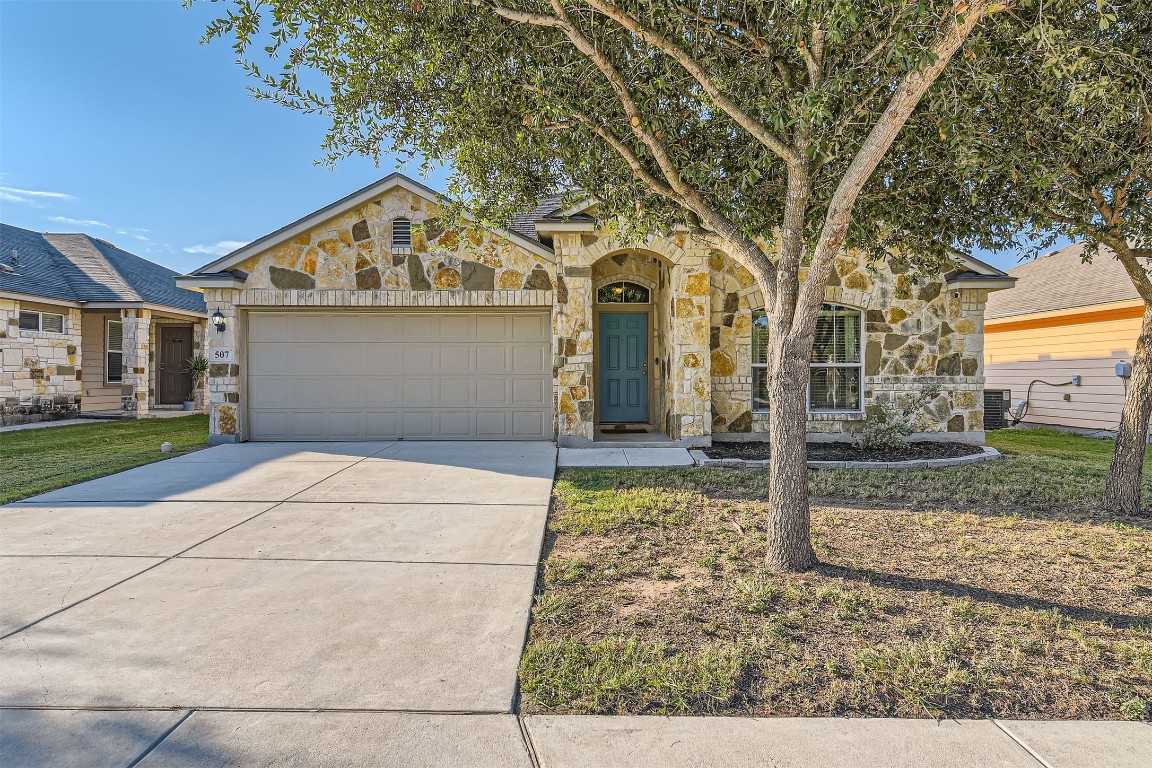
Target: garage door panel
{"points": [[382, 425], [418, 424], [492, 391], [456, 359], [346, 375], [461, 391], [457, 328], [528, 358], [492, 425], [530, 328], [418, 359], [528, 391], [348, 359], [346, 425], [420, 391], [491, 327], [491, 358], [306, 425], [527, 424], [383, 393], [420, 328]]}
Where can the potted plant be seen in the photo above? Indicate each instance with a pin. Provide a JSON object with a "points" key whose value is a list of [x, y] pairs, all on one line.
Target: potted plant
{"points": [[196, 368]]}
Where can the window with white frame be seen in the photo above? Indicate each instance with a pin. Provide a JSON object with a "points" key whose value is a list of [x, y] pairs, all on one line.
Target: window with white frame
{"points": [[114, 357], [837, 373], [45, 322], [401, 233]]}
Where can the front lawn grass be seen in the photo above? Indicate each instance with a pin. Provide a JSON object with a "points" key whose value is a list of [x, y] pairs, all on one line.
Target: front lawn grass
{"points": [[991, 590], [39, 460]]}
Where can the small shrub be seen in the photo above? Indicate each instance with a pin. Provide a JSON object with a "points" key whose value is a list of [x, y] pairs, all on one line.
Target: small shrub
{"points": [[888, 422]]}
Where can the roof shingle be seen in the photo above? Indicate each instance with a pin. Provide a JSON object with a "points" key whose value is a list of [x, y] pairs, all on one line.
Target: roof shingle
{"points": [[76, 267], [1061, 280]]}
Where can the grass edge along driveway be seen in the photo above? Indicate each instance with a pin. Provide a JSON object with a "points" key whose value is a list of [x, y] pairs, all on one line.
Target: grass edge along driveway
{"points": [[39, 460]]}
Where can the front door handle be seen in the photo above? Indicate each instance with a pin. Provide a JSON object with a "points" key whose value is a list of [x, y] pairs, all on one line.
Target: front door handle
{"points": [[645, 369]]}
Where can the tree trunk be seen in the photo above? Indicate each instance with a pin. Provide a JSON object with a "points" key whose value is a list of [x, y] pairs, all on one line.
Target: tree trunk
{"points": [[1122, 491], [789, 544]]}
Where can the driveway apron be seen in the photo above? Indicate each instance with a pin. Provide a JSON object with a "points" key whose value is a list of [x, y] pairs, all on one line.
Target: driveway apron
{"points": [[363, 577]]}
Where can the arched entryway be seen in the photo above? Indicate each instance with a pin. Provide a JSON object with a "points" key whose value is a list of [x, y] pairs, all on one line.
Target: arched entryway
{"points": [[630, 341]]}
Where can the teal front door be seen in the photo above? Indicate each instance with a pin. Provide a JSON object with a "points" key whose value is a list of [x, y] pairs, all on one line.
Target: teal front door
{"points": [[623, 367]]}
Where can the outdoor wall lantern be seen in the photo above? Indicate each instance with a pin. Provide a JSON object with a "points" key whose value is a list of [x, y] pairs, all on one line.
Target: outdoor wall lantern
{"points": [[218, 321]]}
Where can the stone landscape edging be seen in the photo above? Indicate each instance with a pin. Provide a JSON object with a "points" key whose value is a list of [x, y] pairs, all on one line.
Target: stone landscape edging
{"points": [[988, 454]]}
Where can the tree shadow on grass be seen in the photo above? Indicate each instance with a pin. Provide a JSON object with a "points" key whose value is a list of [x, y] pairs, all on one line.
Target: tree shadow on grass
{"points": [[983, 595]]}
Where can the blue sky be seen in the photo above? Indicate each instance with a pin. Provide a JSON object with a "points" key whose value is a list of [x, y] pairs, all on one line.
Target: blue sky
{"points": [[116, 121]]}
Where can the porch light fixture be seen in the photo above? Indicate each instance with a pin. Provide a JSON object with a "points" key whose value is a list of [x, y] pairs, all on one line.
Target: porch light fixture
{"points": [[218, 321]]}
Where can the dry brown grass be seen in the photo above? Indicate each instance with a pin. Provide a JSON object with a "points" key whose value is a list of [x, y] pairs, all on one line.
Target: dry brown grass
{"points": [[913, 612]]}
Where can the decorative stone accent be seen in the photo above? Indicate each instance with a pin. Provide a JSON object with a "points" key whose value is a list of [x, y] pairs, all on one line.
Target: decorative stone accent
{"points": [[290, 279], [538, 281], [477, 277], [446, 279], [368, 279]]}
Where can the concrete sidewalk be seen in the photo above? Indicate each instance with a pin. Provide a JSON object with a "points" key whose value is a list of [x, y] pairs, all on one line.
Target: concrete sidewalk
{"points": [[201, 739]]}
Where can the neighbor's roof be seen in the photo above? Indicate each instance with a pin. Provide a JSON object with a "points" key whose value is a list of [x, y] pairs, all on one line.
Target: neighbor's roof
{"points": [[83, 269], [1061, 280]]}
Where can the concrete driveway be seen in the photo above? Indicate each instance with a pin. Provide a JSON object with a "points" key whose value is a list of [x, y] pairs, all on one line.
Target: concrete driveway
{"points": [[276, 578]]}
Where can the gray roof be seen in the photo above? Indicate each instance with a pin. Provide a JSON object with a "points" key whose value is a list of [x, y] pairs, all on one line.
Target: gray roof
{"points": [[84, 269], [1061, 280], [524, 224]]}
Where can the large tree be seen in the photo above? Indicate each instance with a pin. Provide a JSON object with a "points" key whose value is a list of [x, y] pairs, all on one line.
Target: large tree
{"points": [[755, 125], [1054, 138]]}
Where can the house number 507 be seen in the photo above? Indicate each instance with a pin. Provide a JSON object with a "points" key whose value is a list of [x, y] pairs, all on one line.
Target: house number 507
{"points": [[220, 355]]}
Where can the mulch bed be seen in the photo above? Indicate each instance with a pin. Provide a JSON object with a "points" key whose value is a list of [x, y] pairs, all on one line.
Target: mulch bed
{"points": [[759, 450]]}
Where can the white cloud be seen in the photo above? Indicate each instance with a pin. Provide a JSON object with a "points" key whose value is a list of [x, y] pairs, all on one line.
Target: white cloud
{"points": [[219, 249], [79, 222], [17, 195]]}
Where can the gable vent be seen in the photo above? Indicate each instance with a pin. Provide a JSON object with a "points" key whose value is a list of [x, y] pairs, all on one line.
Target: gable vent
{"points": [[401, 233]]}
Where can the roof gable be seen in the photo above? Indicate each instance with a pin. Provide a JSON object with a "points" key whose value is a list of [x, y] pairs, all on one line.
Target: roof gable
{"points": [[344, 204]]}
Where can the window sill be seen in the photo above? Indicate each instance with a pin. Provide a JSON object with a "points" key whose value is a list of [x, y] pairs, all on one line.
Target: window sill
{"points": [[824, 415]]}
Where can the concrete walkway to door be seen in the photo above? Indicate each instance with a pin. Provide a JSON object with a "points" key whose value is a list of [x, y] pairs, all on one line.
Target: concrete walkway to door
{"points": [[271, 577]]}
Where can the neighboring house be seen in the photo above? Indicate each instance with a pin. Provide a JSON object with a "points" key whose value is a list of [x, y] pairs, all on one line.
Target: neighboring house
{"points": [[1064, 318], [369, 319], [86, 327]]}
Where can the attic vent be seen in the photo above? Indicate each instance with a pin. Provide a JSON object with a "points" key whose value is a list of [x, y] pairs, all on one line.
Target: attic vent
{"points": [[401, 233]]}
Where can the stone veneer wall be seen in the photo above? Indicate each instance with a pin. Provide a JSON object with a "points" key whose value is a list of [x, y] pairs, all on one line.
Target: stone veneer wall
{"points": [[349, 261], [354, 251], [914, 335], [680, 319], [40, 372], [702, 305]]}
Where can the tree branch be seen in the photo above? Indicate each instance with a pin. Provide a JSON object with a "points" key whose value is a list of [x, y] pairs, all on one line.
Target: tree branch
{"points": [[722, 100], [911, 90]]}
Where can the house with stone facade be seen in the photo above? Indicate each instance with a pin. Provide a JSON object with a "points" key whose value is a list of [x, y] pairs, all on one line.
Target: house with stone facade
{"points": [[372, 318], [88, 328]]}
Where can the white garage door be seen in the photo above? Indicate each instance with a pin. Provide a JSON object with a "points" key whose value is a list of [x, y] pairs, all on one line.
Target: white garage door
{"points": [[443, 375]]}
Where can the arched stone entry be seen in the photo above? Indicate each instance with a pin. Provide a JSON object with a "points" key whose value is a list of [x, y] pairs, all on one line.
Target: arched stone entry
{"points": [[679, 383]]}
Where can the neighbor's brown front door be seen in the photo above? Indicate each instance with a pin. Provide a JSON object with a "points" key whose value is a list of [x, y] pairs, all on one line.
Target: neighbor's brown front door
{"points": [[175, 349]]}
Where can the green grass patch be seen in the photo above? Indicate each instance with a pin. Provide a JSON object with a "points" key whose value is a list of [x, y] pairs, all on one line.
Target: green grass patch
{"points": [[620, 675], [585, 508], [40, 460]]}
